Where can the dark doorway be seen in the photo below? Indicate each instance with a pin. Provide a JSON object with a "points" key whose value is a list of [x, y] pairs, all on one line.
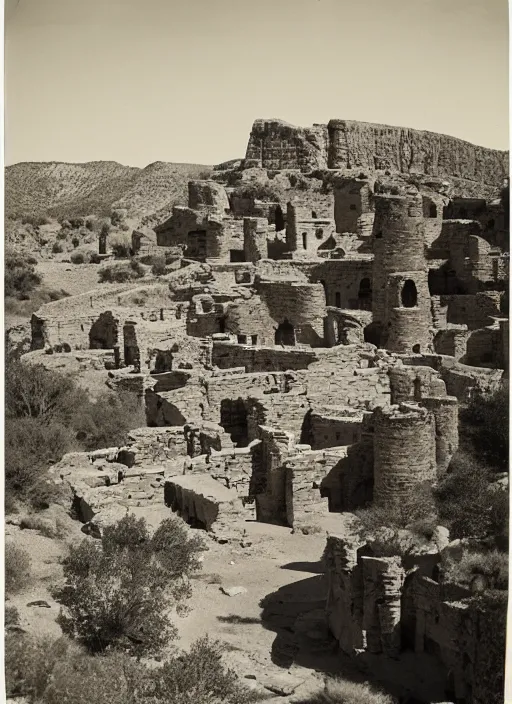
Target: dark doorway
{"points": [[236, 255], [279, 219], [196, 245], [337, 299], [233, 418], [409, 294], [432, 211], [285, 334], [103, 333], [364, 294], [305, 240]]}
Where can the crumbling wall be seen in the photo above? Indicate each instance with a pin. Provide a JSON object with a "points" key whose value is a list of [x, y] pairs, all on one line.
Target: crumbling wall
{"points": [[260, 359]]}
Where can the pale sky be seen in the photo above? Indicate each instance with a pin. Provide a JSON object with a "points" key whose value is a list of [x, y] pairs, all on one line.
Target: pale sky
{"points": [[138, 81]]}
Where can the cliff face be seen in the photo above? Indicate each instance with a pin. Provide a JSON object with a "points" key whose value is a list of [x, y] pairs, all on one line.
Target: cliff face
{"points": [[345, 144]]}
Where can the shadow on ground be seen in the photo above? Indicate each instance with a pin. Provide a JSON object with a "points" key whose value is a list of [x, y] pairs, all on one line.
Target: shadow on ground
{"points": [[297, 614]]}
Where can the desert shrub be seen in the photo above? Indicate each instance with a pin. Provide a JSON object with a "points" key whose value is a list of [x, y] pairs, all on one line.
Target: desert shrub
{"points": [[118, 593], [75, 242], [95, 258], [200, 676], [342, 692], [485, 425], [493, 565], [467, 502], [17, 568], [47, 415], [77, 258], [158, 266], [118, 215], [35, 220], [62, 234], [60, 673], [20, 277], [121, 247], [259, 191], [11, 616], [420, 507], [36, 522], [119, 273], [204, 175], [29, 663], [57, 248]]}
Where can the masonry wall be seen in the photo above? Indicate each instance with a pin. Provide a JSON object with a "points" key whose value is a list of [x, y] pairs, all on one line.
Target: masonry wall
{"points": [[342, 279], [475, 311], [404, 447], [260, 359]]}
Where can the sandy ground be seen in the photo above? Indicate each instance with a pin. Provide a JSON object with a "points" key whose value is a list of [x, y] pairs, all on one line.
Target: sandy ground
{"points": [[72, 278]]}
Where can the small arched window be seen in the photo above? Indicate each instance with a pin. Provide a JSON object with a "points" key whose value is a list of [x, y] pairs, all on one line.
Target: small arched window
{"points": [[409, 294]]}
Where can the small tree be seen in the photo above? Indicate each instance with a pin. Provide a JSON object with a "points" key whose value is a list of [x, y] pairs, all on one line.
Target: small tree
{"points": [[118, 592], [20, 277]]}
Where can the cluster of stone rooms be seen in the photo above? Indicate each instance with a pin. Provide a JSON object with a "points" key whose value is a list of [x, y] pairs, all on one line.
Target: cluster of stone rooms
{"points": [[300, 361]]}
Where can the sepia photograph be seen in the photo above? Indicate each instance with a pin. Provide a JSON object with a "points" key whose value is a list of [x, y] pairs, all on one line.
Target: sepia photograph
{"points": [[256, 352]]}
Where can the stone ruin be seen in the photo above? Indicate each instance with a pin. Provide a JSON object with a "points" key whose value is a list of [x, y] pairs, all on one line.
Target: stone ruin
{"points": [[306, 359]]}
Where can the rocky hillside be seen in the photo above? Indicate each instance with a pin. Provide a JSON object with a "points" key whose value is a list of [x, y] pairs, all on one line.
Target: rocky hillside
{"points": [[60, 190]]}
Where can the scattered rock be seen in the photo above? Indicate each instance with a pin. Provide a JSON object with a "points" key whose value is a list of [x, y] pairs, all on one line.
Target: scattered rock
{"points": [[41, 603], [233, 591]]}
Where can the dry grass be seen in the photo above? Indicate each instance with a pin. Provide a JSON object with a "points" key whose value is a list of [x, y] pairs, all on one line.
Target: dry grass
{"points": [[341, 692]]}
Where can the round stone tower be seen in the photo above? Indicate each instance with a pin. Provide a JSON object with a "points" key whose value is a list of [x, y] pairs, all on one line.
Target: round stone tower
{"points": [[404, 453], [401, 298]]}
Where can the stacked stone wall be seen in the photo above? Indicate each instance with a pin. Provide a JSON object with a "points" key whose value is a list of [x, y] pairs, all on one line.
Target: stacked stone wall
{"points": [[404, 448]]}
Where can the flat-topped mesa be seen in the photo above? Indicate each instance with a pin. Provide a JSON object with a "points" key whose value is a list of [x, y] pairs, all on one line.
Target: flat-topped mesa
{"points": [[349, 144]]}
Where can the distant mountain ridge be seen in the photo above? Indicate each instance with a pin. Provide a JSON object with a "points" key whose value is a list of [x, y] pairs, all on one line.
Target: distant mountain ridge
{"points": [[62, 190]]}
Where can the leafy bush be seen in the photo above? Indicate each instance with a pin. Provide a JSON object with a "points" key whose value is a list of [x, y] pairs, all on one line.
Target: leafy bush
{"points": [[259, 191], [118, 593], [60, 673], [11, 616], [408, 514], [77, 258], [95, 258], [20, 277], [467, 502], [57, 248], [485, 425], [29, 664], [492, 565], [62, 234], [158, 266], [84, 255], [35, 220], [47, 415], [17, 568], [75, 242], [121, 247], [119, 273], [342, 692]]}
